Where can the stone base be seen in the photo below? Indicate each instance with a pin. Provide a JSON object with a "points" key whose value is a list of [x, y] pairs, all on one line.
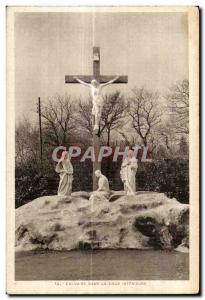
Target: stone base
{"points": [[145, 221]]}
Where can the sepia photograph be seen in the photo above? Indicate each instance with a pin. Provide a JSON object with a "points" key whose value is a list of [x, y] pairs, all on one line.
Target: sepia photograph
{"points": [[103, 150]]}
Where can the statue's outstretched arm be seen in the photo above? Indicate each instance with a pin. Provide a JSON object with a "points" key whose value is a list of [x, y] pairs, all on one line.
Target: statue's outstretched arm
{"points": [[82, 82], [110, 82]]}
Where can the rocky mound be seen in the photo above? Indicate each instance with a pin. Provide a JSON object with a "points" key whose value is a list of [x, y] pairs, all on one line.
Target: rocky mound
{"points": [[147, 220]]}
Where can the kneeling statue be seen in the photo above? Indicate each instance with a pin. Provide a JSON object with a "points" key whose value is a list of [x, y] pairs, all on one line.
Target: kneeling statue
{"points": [[103, 186]]}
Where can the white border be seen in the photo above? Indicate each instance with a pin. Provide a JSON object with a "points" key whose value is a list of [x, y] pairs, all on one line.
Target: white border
{"points": [[154, 287]]}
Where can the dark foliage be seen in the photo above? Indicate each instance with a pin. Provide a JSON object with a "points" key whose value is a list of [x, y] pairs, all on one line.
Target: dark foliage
{"points": [[166, 176], [31, 186]]}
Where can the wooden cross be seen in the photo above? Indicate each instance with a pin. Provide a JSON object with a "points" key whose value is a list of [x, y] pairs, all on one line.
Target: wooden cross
{"points": [[96, 72], [101, 79]]}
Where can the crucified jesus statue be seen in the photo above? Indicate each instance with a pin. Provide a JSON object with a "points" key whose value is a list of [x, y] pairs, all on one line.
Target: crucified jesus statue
{"points": [[97, 98]]}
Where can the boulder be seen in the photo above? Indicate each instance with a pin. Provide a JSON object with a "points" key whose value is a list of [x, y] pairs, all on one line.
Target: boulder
{"points": [[148, 220]]}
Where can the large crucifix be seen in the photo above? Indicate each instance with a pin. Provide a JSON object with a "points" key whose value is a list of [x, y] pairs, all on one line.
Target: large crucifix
{"points": [[96, 82]]}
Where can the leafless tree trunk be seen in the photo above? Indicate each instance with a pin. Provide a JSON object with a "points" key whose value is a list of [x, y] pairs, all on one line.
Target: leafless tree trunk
{"points": [[145, 115], [178, 105], [58, 120]]}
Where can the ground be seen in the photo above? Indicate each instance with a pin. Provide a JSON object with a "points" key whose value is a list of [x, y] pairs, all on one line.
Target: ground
{"points": [[148, 220], [117, 264]]}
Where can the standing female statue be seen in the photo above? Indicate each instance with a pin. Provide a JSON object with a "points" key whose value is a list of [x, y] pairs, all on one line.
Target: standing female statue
{"points": [[128, 172], [65, 170]]}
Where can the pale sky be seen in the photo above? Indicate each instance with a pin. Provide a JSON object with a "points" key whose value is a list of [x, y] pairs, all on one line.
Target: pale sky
{"points": [[151, 48]]}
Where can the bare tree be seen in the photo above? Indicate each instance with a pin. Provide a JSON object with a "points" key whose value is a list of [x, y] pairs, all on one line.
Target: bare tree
{"points": [[184, 147], [58, 120], [145, 115], [113, 115], [26, 143], [178, 104], [84, 118], [128, 139]]}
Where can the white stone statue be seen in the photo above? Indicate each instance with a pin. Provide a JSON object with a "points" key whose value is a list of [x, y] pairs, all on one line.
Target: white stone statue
{"points": [[65, 170], [97, 98], [103, 183], [103, 187], [128, 171]]}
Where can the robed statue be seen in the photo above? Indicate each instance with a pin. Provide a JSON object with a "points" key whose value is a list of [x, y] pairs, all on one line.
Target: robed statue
{"points": [[65, 170], [128, 173]]}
